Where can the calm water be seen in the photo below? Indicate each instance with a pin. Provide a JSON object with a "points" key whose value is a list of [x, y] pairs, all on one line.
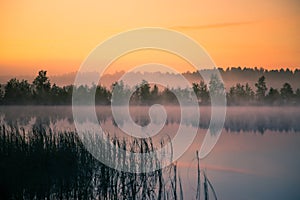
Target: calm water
{"points": [[256, 157]]}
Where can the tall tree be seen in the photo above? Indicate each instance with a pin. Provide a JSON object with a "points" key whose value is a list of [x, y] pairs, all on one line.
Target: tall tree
{"points": [[261, 88], [286, 92], [154, 94], [120, 93], [144, 92], [216, 88], [201, 92], [168, 97], [67, 94], [42, 87], [240, 94], [273, 96], [103, 96], [204, 93], [249, 92], [237, 94], [83, 95], [17, 92], [58, 95]]}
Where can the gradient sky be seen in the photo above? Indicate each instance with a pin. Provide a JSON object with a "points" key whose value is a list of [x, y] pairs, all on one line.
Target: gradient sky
{"points": [[58, 35]]}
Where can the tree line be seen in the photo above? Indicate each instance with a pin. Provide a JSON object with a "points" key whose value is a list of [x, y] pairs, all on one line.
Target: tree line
{"points": [[250, 75], [41, 92]]}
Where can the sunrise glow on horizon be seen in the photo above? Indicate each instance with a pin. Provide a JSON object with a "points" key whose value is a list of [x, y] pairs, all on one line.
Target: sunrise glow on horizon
{"points": [[58, 35]]}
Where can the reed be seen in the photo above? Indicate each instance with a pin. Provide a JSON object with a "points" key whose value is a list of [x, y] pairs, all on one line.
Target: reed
{"points": [[41, 164]]}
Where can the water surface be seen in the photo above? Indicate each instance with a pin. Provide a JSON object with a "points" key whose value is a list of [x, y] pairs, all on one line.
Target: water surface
{"points": [[256, 157]]}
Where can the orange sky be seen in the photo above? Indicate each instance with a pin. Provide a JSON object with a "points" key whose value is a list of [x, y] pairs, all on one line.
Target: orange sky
{"points": [[58, 35]]}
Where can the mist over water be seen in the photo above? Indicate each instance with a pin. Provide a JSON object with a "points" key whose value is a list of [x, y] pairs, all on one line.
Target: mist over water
{"points": [[256, 157], [238, 119]]}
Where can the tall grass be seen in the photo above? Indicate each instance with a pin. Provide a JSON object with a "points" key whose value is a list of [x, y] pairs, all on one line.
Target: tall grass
{"points": [[38, 163]]}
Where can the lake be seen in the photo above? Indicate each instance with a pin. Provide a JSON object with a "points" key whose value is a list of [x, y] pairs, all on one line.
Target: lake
{"points": [[256, 157]]}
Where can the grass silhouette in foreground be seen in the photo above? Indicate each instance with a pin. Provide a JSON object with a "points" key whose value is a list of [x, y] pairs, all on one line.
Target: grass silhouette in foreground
{"points": [[40, 164]]}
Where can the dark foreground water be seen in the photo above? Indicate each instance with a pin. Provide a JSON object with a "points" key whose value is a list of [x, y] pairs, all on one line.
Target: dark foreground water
{"points": [[256, 157]]}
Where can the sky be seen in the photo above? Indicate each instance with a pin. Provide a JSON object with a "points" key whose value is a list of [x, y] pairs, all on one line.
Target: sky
{"points": [[58, 35]]}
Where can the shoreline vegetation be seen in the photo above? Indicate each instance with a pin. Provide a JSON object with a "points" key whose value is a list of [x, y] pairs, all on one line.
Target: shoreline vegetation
{"points": [[38, 163], [42, 92]]}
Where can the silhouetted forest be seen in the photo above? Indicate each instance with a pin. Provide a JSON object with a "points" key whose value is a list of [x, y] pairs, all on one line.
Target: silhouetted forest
{"points": [[231, 76], [42, 92]]}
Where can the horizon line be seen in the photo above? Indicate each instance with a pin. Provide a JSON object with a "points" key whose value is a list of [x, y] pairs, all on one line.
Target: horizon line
{"points": [[123, 71]]}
